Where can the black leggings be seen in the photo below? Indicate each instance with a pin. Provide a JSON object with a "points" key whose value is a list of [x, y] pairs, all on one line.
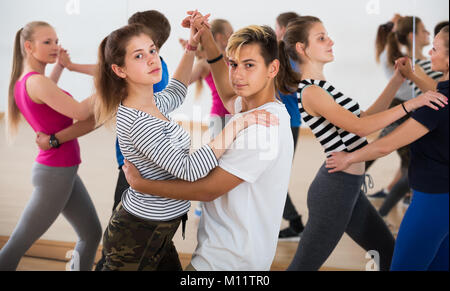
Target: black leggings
{"points": [[336, 205]]}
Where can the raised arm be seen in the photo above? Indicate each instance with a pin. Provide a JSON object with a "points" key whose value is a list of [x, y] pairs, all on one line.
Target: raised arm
{"points": [[200, 71], [317, 102], [418, 76], [43, 90], [64, 61], [384, 101], [59, 66], [219, 69], [83, 69], [184, 69]]}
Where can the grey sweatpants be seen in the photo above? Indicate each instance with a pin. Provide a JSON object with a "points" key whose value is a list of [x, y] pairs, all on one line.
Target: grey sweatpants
{"points": [[56, 191], [336, 205]]}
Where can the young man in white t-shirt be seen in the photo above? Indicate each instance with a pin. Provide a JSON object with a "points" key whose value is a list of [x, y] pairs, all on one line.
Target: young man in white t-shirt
{"points": [[245, 195]]}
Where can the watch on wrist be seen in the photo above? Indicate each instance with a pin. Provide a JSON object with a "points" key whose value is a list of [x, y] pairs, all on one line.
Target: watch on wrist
{"points": [[54, 142]]}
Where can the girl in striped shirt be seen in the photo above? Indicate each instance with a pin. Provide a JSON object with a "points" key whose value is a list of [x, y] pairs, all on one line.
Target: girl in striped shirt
{"points": [[335, 201], [139, 234]]}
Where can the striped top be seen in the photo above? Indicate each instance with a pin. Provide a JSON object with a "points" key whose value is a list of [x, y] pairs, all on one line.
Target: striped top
{"points": [[161, 151], [332, 138], [426, 66]]}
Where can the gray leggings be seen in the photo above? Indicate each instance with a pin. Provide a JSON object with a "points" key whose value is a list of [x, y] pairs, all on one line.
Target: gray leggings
{"points": [[56, 190], [336, 205]]}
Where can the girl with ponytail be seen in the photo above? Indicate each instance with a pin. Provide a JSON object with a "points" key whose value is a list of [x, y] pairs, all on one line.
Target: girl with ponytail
{"points": [[140, 233], [242, 209], [58, 188], [339, 125], [423, 239]]}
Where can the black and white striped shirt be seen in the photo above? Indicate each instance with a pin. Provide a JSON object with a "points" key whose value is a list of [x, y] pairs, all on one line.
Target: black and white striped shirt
{"points": [[426, 66], [161, 151], [331, 137]]}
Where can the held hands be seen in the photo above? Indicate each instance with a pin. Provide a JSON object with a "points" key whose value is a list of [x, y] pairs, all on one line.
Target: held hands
{"points": [[338, 162], [64, 58], [200, 54], [404, 66], [43, 141], [197, 24]]}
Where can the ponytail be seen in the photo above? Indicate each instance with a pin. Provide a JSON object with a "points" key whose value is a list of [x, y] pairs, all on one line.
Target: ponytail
{"points": [[13, 115], [287, 79], [393, 49], [297, 31], [111, 90], [382, 37], [23, 35], [396, 39]]}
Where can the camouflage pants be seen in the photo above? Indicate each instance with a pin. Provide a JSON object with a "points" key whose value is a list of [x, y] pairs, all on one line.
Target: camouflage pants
{"points": [[133, 244]]}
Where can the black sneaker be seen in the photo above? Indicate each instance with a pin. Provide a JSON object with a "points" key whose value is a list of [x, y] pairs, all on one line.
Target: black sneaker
{"points": [[288, 234], [379, 195]]}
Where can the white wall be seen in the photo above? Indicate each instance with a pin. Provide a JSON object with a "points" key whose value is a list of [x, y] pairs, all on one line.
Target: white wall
{"points": [[351, 23]]}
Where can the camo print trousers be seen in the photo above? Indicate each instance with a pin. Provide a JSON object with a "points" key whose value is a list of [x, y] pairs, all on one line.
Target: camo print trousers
{"points": [[134, 244]]}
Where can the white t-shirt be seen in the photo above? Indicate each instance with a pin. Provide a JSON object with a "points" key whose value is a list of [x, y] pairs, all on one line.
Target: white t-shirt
{"points": [[239, 230]]}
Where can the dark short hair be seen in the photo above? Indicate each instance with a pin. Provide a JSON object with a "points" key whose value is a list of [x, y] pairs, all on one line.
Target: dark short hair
{"points": [[156, 22], [440, 26], [284, 18]]}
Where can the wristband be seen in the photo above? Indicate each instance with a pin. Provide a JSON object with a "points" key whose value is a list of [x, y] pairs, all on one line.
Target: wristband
{"points": [[404, 108], [54, 142], [189, 47], [215, 60]]}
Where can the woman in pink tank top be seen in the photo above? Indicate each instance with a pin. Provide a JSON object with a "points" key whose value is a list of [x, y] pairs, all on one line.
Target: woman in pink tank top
{"points": [[57, 187]]}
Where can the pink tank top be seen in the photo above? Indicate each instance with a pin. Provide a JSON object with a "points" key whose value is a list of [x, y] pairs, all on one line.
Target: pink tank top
{"points": [[217, 107], [44, 119]]}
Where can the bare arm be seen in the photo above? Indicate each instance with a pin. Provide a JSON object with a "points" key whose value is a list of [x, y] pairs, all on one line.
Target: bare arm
{"points": [[317, 102], [43, 90], [83, 69], [63, 56], [56, 73], [72, 132], [216, 184], [219, 72], [200, 71], [384, 101], [184, 69], [418, 77], [422, 80], [405, 134]]}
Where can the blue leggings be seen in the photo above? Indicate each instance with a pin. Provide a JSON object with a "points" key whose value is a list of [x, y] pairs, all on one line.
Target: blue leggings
{"points": [[422, 242]]}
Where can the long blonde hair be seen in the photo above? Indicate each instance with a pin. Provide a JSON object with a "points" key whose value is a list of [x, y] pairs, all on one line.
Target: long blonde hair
{"points": [[24, 34]]}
